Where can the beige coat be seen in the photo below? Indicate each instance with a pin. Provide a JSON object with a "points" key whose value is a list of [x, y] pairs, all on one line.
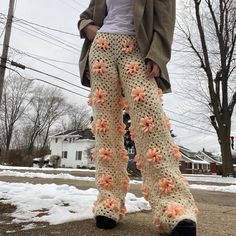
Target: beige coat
{"points": [[154, 25]]}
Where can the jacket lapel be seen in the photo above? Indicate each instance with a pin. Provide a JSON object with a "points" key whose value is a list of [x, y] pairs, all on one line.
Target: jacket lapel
{"points": [[139, 6]]}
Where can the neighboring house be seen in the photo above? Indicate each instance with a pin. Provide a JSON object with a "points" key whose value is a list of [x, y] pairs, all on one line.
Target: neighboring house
{"points": [[192, 163], [73, 146]]}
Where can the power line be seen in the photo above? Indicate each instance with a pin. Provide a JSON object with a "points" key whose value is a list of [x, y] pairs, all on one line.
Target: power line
{"points": [[65, 89]]}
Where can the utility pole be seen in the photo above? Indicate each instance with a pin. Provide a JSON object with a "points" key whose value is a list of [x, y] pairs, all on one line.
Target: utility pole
{"points": [[6, 45]]}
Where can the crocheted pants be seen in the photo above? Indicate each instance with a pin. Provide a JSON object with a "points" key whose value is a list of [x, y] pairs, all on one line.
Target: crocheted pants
{"points": [[118, 82]]}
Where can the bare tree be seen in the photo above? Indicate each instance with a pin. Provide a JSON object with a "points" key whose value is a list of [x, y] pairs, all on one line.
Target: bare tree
{"points": [[47, 106], [15, 101], [212, 37], [79, 117]]}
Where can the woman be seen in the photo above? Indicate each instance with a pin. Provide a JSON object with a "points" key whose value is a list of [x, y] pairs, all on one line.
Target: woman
{"points": [[127, 46]]}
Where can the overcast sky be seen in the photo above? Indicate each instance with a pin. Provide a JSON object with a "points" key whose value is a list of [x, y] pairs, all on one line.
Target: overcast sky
{"points": [[191, 128]]}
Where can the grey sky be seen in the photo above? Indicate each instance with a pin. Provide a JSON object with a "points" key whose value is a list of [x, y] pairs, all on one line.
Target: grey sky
{"points": [[63, 15]]}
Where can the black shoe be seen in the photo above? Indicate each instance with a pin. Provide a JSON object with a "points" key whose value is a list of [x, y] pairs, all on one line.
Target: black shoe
{"points": [[103, 222], [185, 228]]}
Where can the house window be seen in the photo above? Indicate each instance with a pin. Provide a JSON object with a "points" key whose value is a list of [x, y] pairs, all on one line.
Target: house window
{"points": [[78, 156], [64, 154], [56, 140]]}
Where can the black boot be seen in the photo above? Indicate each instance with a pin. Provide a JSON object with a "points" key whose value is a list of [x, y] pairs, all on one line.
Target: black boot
{"points": [[185, 228], [103, 222]]}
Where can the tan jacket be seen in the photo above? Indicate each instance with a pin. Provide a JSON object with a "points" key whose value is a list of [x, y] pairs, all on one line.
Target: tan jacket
{"points": [[154, 25]]}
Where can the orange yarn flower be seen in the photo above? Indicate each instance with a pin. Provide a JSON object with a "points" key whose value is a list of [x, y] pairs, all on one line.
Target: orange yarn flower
{"points": [[147, 124], [160, 94], [94, 207], [158, 225], [93, 128], [174, 210], [138, 162], [166, 185], [128, 46], [123, 103], [99, 67], [124, 155], [93, 154], [154, 155], [175, 152], [105, 154], [110, 203], [145, 192], [102, 125], [90, 99], [102, 43], [122, 212], [121, 128], [132, 68], [100, 96], [166, 121], [138, 94], [196, 210], [126, 185], [106, 181], [132, 132]]}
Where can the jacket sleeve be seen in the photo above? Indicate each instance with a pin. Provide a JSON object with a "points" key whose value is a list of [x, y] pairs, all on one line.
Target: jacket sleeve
{"points": [[164, 23], [86, 18]]}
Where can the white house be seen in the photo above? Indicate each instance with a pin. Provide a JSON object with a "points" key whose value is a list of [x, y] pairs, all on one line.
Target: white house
{"points": [[73, 146]]}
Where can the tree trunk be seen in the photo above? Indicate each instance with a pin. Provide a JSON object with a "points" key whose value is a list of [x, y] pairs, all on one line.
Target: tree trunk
{"points": [[227, 161]]}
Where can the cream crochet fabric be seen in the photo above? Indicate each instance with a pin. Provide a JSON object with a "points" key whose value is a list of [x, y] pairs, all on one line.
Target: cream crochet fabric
{"points": [[116, 68]]}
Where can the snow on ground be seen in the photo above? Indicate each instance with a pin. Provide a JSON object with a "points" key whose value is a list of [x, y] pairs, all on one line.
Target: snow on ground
{"points": [[202, 178], [56, 204], [227, 189]]}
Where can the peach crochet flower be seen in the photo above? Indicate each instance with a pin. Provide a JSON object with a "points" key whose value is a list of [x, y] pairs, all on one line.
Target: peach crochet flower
{"points": [[138, 94], [147, 124], [106, 181], [145, 192], [99, 67], [175, 152], [132, 68], [90, 99], [100, 96], [127, 46], [196, 210], [154, 155], [126, 185], [93, 154], [122, 212], [102, 125], [93, 128], [124, 155], [138, 162], [158, 225], [94, 207], [121, 128], [105, 154], [160, 94], [123, 103], [110, 203], [166, 121], [166, 185], [132, 132], [174, 210], [102, 43]]}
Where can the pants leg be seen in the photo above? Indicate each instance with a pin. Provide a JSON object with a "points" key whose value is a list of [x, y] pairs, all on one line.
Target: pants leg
{"points": [[110, 156], [163, 185]]}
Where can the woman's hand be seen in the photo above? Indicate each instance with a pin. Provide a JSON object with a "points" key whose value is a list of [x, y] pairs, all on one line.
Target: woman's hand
{"points": [[91, 31], [153, 70]]}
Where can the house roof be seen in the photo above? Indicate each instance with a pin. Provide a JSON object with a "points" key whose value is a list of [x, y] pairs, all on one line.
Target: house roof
{"points": [[83, 134]]}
